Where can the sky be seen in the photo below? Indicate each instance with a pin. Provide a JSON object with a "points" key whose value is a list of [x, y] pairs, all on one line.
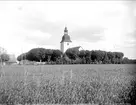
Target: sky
{"points": [[94, 25]]}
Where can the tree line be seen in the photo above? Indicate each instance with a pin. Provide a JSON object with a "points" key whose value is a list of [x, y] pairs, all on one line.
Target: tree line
{"points": [[74, 56]]}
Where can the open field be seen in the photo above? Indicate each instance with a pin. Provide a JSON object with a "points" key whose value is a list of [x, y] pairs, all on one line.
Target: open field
{"points": [[68, 84]]}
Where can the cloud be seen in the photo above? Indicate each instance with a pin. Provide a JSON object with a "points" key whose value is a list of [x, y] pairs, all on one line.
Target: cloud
{"points": [[100, 45], [130, 39], [91, 33], [53, 30], [37, 37]]}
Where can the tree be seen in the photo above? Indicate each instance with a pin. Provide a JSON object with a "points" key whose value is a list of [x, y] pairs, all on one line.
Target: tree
{"points": [[72, 53], [125, 60], [105, 60], [36, 54], [113, 60], [88, 56], [48, 54], [111, 56], [93, 56], [78, 61], [100, 55], [82, 53], [56, 55], [22, 57], [118, 57], [97, 56], [4, 57], [83, 60], [66, 59]]}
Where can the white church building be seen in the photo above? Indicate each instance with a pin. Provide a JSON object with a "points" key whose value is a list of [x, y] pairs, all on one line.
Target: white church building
{"points": [[66, 42]]}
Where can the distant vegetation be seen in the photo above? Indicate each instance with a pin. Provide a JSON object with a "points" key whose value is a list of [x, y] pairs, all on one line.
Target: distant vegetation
{"points": [[74, 56], [4, 58]]}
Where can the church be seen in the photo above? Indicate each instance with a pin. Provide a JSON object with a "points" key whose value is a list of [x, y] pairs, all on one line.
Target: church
{"points": [[66, 42]]}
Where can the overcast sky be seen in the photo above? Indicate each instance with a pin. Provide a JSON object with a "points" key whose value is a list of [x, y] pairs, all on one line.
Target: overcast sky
{"points": [[109, 26]]}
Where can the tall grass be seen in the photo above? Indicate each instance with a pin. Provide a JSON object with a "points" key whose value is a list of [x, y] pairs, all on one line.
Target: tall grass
{"points": [[35, 89]]}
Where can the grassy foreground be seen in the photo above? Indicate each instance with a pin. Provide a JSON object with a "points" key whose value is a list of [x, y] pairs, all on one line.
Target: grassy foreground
{"points": [[68, 84]]}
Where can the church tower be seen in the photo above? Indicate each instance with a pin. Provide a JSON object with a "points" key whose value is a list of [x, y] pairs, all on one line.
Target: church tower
{"points": [[65, 42]]}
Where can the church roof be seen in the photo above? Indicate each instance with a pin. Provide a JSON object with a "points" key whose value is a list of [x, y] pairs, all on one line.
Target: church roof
{"points": [[74, 48], [66, 37]]}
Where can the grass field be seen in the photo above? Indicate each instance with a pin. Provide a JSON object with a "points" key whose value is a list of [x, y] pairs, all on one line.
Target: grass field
{"points": [[68, 84]]}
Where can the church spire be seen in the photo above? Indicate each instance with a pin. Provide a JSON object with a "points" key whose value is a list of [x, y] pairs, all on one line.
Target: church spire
{"points": [[65, 30], [66, 37]]}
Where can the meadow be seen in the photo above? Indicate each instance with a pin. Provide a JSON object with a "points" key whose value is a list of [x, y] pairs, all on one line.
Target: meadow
{"points": [[94, 84]]}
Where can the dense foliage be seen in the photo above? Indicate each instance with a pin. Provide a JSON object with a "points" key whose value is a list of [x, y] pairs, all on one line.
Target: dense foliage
{"points": [[74, 56]]}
